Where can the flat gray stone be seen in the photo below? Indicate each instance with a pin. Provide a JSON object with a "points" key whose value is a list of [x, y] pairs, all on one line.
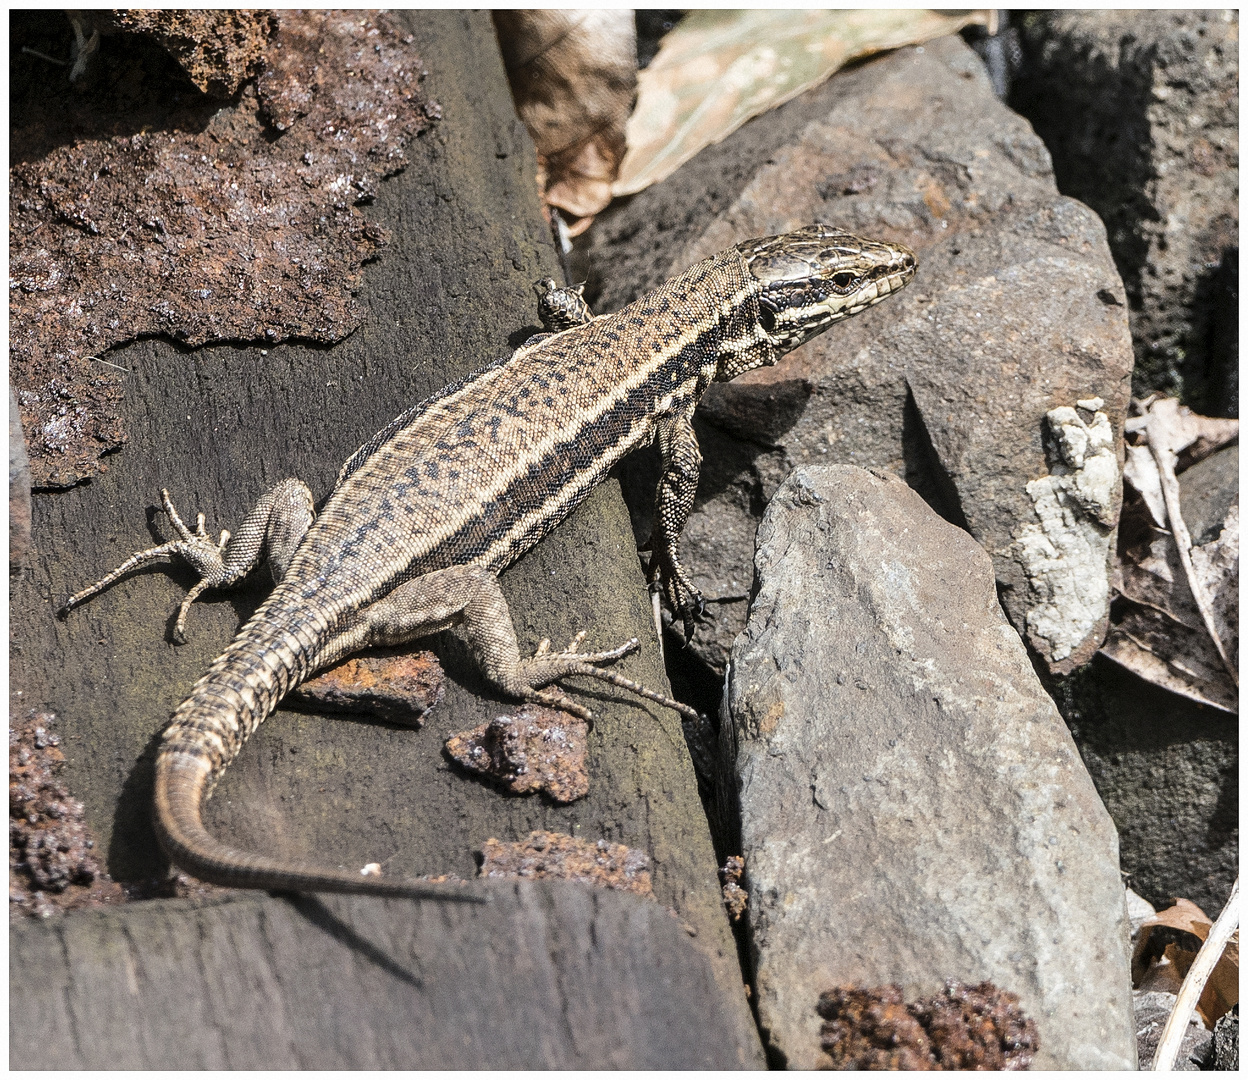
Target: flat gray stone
{"points": [[1016, 310], [1152, 1010], [546, 976], [912, 807]]}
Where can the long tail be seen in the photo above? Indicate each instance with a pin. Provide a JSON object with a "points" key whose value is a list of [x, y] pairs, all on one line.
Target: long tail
{"points": [[240, 690]]}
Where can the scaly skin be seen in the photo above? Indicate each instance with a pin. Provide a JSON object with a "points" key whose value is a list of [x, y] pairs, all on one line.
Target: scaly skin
{"points": [[427, 513]]}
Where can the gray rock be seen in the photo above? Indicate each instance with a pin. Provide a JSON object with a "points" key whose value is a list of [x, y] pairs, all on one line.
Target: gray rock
{"points": [[1152, 1010], [1226, 1043], [912, 807], [546, 976], [1140, 110], [19, 487], [1016, 310], [1206, 492]]}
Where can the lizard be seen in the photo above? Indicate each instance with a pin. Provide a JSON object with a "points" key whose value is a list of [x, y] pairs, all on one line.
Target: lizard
{"points": [[428, 512]]}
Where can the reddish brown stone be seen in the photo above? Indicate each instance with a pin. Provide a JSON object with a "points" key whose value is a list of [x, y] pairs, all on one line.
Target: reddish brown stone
{"points": [[399, 686], [537, 749], [556, 855]]}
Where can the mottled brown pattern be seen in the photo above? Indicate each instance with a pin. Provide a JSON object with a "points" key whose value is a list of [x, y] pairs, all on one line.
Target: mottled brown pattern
{"points": [[140, 206]]}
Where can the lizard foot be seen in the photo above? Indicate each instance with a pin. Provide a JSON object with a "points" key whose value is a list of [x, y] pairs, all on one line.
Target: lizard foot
{"points": [[197, 548], [545, 667], [666, 576], [275, 526]]}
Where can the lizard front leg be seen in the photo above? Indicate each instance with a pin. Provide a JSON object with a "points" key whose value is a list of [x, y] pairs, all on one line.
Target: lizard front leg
{"points": [[471, 596], [275, 526], [682, 465]]}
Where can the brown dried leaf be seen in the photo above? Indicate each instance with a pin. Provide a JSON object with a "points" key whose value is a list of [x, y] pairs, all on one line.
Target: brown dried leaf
{"points": [[718, 69], [573, 76], [1158, 629], [1184, 915], [1222, 990], [1167, 971]]}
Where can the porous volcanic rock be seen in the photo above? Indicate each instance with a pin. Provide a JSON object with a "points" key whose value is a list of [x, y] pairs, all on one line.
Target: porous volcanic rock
{"points": [[1016, 311], [1140, 110], [912, 808]]}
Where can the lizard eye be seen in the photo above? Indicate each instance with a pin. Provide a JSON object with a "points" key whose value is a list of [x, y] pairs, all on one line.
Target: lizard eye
{"points": [[767, 319], [843, 280]]}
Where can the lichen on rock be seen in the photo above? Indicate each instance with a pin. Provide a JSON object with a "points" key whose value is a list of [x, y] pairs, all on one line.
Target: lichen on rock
{"points": [[1065, 556]]}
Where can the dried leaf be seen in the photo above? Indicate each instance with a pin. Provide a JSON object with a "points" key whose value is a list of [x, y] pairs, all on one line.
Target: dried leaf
{"points": [[1176, 428], [1165, 974], [1184, 915], [1222, 990], [1176, 620], [1167, 971], [573, 76], [1141, 473], [718, 69]]}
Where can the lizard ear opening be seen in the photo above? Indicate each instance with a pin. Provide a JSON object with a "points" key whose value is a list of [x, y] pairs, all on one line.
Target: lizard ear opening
{"points": [[767, 319]]}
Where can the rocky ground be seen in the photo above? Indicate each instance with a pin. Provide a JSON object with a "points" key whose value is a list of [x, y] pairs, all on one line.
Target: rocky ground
{"points": [[924, 783]]}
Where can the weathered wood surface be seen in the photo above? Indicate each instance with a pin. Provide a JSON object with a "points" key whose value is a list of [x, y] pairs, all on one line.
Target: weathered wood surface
{"points": [[547, 976], [218, 426]]}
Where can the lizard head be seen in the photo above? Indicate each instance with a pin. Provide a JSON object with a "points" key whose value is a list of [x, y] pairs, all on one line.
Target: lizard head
{"points": [[813, 277]]}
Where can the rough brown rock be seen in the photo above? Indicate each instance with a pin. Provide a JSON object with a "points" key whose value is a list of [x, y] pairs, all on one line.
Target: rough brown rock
{"points": [[53, 864], [399, 686], [218, 50], [533, 749], [912, 807], [143, 207], [1016, 310], [1140, 110], [554, 855], [965, 1027]]}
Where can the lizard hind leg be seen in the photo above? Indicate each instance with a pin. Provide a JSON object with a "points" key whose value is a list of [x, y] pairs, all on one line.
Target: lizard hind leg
{"points": [[274, 527], [471, 596]]}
